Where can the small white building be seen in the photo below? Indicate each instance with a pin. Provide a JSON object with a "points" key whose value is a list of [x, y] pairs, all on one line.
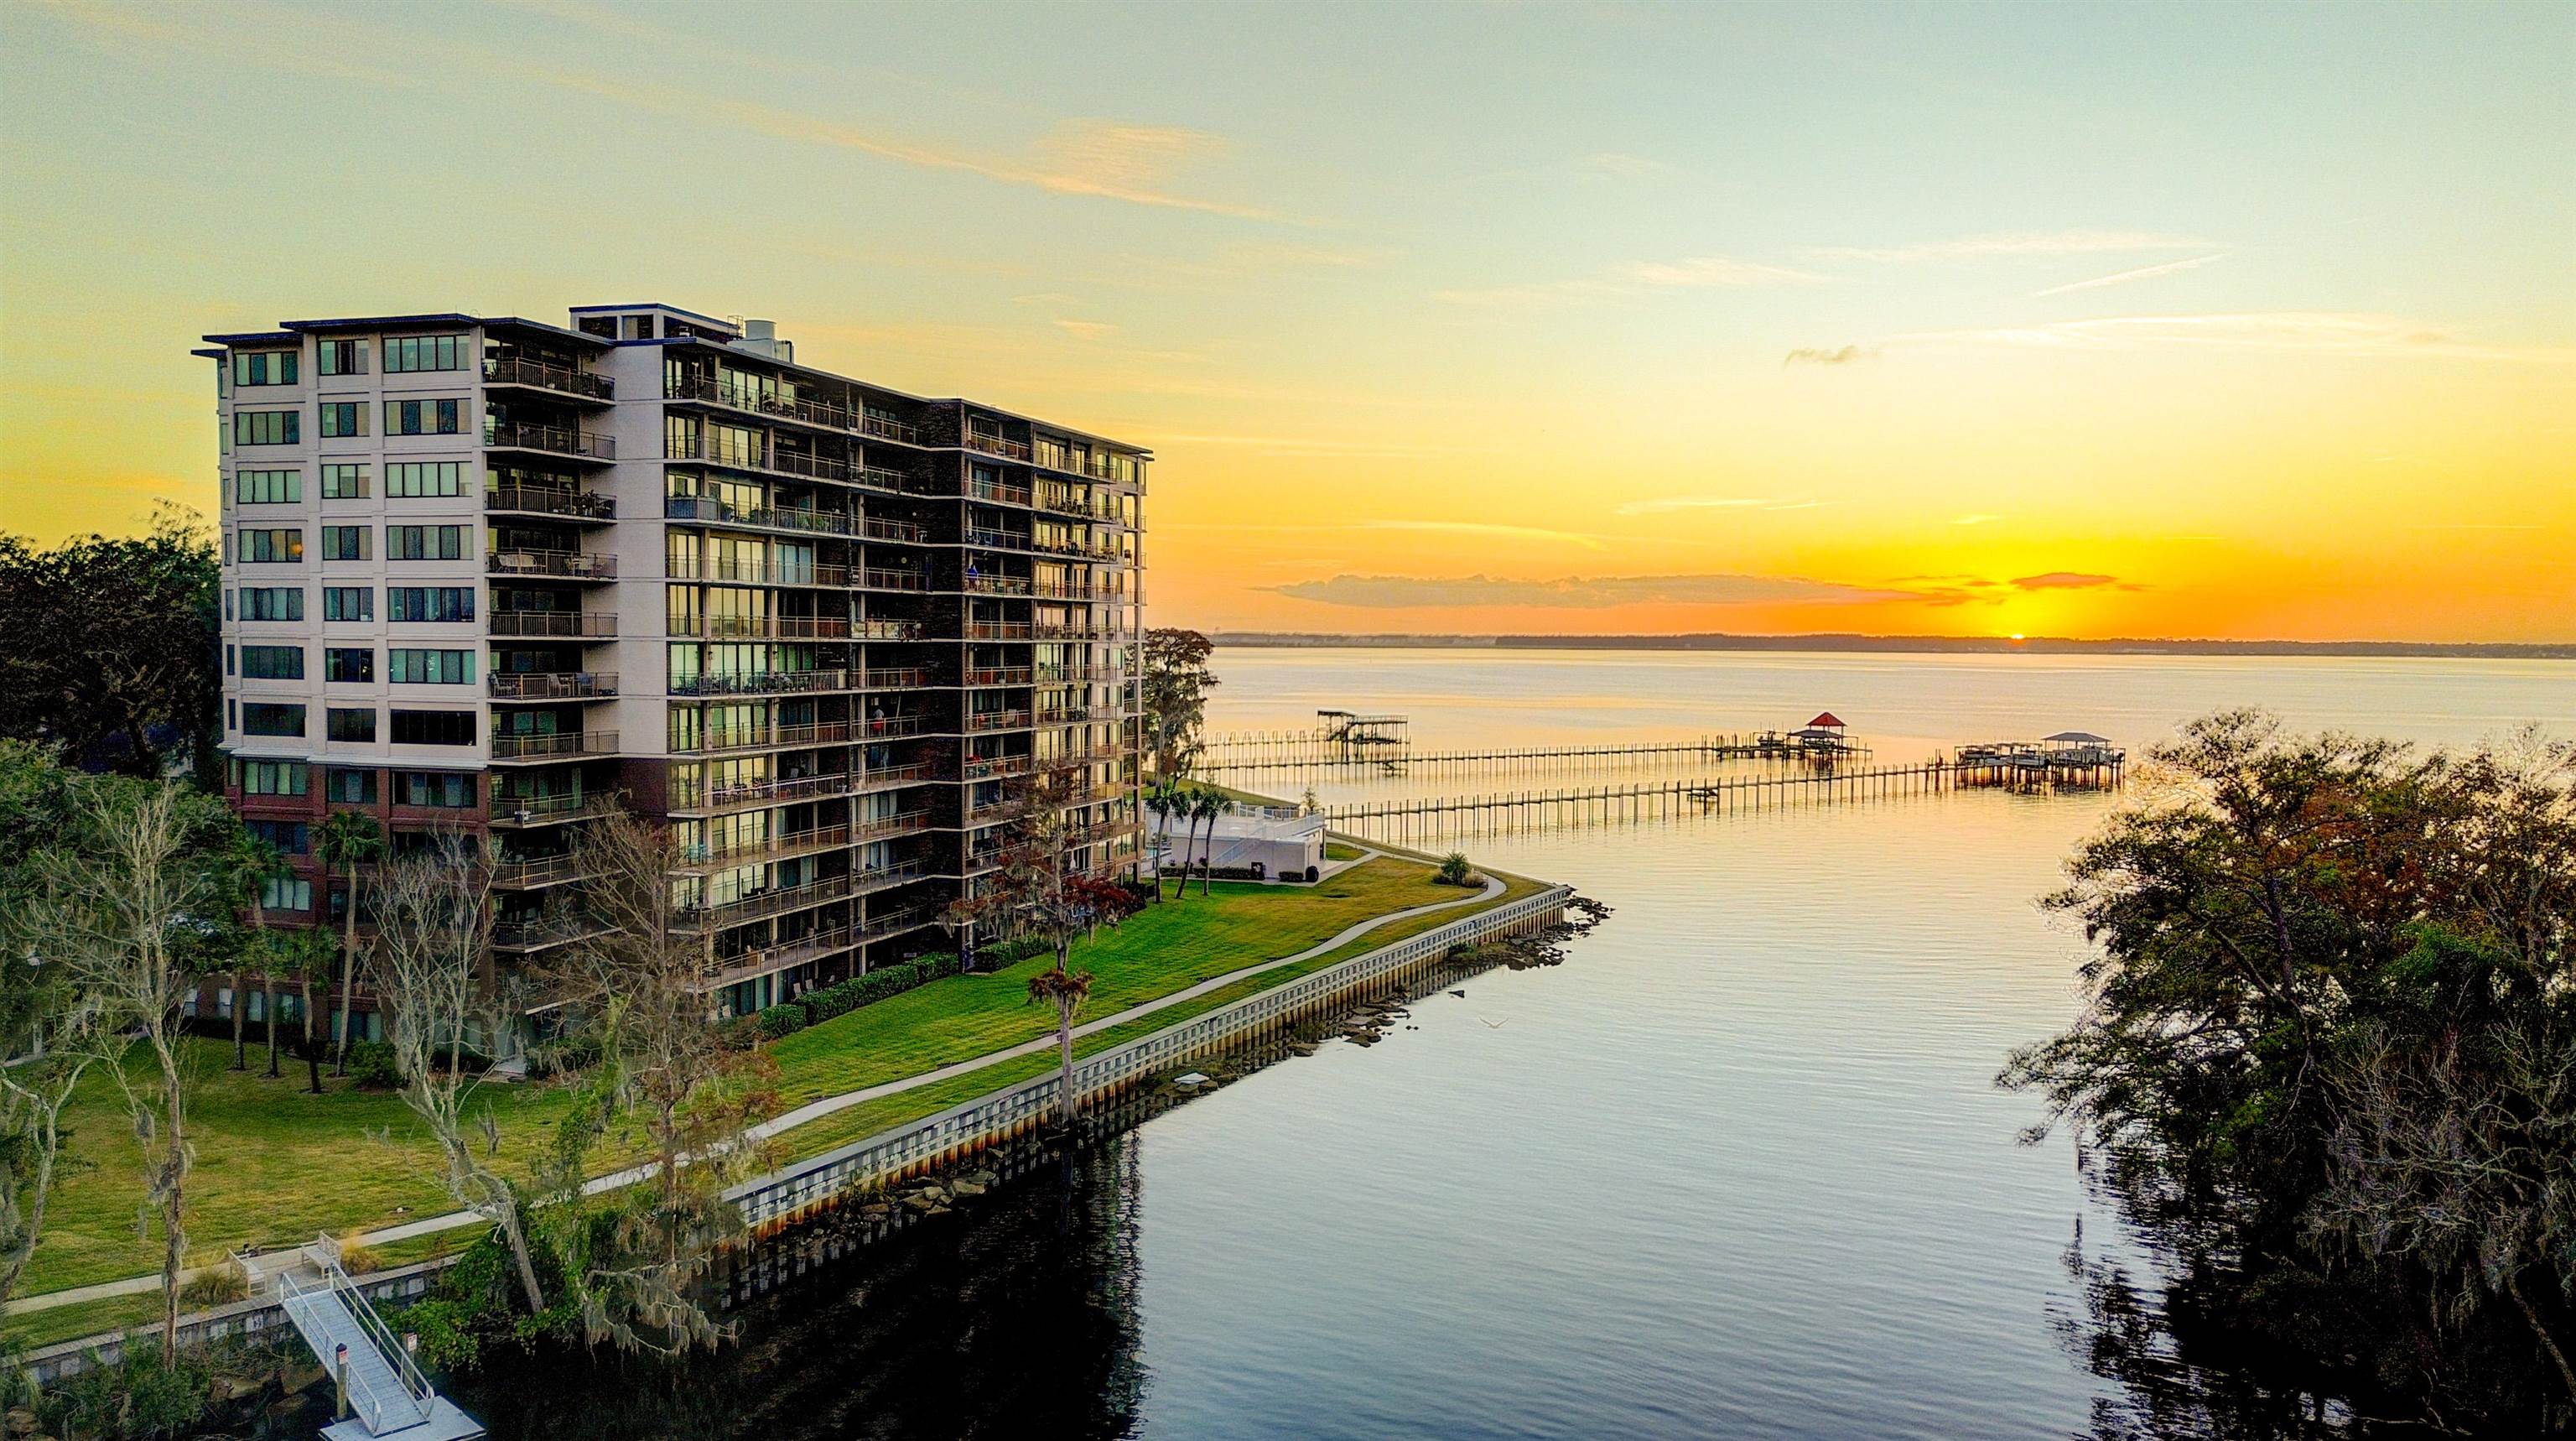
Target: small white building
{"points": [[1282, 843]]}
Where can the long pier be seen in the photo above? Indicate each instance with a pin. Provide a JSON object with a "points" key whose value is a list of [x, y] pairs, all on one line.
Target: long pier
{"points": [[1647, 800], [1767, 745]]}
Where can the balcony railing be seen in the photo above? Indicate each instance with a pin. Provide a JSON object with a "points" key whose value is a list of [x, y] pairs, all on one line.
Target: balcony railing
{"points": [[543, 932], [769, 738], [711, 511], [994, 769], [756, 572], [997, 445], [706, 449], [885, 429], [997, 720], [994, 585], [997, 492], [997, 675], [553, 623], [552, 439], [894, 580], [553, 685], [518, 370], [537, 871], [693, 796], [772, 847], [714, 392], [894, 677], [551, 746], [776, 682], [878, 528], [522, 810], [900, 824], [573, 564], [551, 500], [762, 904], [887, 630]]}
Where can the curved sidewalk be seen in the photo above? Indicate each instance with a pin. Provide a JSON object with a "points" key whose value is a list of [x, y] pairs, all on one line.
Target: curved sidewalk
{"points": [[816, 1110]]}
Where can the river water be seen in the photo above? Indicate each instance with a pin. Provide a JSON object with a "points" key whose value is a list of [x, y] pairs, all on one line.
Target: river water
{"points": [[1736, 1169]]}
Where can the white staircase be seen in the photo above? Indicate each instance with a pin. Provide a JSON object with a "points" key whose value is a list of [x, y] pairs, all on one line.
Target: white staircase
{"points": [[388, 1397]]}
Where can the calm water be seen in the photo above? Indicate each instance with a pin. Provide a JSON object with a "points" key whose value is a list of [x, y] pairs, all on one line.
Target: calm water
{"points": [[1736, 1169]]}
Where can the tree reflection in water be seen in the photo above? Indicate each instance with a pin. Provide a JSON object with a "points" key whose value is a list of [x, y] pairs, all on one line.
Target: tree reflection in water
{"points": [[1016, 1318]]}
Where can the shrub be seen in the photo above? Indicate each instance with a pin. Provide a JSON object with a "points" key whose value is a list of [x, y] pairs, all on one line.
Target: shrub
{"points": [[135, 1398], [357, 1257], [784, 1020], [371, 1065], [223, 1282], [1454, 870]]}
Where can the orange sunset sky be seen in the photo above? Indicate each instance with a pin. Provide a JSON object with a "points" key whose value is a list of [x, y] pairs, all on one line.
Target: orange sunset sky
{"points": [[2240, 321]]}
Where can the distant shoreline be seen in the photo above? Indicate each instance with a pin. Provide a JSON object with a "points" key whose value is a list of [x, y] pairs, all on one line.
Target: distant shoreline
{"points": [[1909, 644]]}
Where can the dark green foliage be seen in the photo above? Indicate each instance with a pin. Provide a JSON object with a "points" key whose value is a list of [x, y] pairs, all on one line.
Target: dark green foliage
{"points": [[2331, 1053], [785, 1020], [835, 1000], [113, 647], [371, 1064], [477, 1307], [140, 1397], [1455, 870]]}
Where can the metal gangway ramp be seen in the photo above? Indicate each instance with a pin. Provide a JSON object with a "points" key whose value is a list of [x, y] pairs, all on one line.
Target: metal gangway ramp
{"points": [[388, 1397]]}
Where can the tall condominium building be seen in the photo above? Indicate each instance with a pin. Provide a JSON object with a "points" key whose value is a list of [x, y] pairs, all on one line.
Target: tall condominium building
{"points": [[488, 574]]}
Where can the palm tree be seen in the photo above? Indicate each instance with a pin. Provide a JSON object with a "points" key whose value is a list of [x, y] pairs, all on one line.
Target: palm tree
{"points": [[311, 954], [1217, 803], [249, 864], [1162, 800], [345, 840]]}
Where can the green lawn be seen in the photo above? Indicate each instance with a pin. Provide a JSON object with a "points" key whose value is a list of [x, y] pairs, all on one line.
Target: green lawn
{"points": [[275, 1166], [1337, 851]]}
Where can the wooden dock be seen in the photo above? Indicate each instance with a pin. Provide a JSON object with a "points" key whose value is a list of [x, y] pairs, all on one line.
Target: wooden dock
{"points": [[1643, 800], [1765, 745]]}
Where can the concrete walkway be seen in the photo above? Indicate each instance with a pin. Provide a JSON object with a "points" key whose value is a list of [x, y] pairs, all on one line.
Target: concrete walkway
{"points": [[816, 1110]]}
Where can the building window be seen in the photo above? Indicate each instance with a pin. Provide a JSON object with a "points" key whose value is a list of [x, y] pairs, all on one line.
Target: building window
{"points": [[429, 602], [412, 666], [424, 542], [292, 838], [272, 662], [426, 478], [277, 602], [268, 487], [343, 418], [341, 357], [421, 417], [350, 725], [274, 778], [347, 664], [270, 547], [407, 353], [267, 718], [433, 728], [265, 367], [344, 542], [350, 788], [344, 482], [267, 427], [286, 893], [348, 602], [446, 790]]}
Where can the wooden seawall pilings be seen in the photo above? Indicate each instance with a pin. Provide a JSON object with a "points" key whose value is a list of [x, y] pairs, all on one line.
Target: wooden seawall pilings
{"points": [[808, 1188]]}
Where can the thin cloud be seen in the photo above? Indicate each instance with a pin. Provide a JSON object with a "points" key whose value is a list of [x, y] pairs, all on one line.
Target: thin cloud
{"points": [[1087, 329], [1983, 247], [1624, 167], [2291, 332], [2144, 272], [1975, 519], [2072, 580], [1838, 355], [1698, 272], [1472, 527], [1671, 503], [1406, 592]]}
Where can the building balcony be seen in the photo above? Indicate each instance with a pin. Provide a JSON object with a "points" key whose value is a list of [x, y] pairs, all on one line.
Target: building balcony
{"points": [[906, 580], [1064, 715], [553, 624], [560, 564], [998, 720], [548, 439], [1079, 675], [996, 492], [886, 429], [552, 685], [1008, 675], [994, 769], [750, 849], [898, 677], [903, 823], [803, 520], [536, 873], [1000, 445], [544, 932], [776, 682], [515, 812], [542, 375], [756, 572], [560, 745], [761, 905], [721, 742], [695, 796], [706, 390], [764, 459], [549, 501], [995, 585], [904, 531]]}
